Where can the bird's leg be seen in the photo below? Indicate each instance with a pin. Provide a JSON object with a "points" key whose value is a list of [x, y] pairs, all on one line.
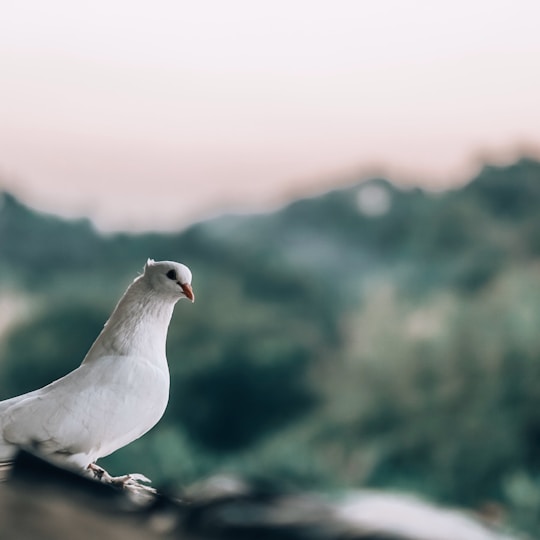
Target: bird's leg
{"points": [[97, 472], [127, 481]]}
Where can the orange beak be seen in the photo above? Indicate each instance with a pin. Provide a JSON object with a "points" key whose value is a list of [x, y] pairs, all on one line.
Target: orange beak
{"points": [[188, 291]]}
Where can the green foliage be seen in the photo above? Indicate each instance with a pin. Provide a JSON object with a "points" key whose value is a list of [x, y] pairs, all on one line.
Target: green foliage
{"points": [[234, 403], [509, 193], [47, 347]]}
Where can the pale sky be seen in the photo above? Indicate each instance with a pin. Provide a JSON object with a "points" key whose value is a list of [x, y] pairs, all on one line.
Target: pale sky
{"points": [[152, 114]]}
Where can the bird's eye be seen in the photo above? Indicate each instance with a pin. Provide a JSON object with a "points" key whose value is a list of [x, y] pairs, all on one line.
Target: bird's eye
{"points": [[171, 274]]}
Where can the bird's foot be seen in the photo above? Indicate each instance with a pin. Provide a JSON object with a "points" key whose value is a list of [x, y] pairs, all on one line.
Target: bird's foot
{"points": [[131, 482]]}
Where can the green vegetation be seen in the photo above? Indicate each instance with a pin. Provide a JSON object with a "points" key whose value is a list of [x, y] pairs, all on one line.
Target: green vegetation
{"points": [[327, 348]]}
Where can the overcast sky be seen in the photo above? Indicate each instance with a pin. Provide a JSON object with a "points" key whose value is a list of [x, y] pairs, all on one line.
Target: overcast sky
{"points": [[151, 114]]}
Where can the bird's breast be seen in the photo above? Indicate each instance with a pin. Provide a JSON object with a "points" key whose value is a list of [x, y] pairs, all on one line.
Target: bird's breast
{"points": [[134, 394]]}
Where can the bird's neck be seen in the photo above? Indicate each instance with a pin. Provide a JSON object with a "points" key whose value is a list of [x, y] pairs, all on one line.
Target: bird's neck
{"points": [[137, 327]]}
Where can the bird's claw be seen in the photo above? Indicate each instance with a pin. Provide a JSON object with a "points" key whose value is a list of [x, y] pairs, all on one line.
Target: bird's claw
{"points": [[131, 481], [137, 477]]}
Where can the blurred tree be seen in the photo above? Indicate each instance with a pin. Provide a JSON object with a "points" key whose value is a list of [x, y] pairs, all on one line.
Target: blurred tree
{"points": [[47, 347], [237, 401]]}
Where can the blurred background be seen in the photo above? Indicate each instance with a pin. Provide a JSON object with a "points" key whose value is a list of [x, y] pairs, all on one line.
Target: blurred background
{"points": [[356, 188]]}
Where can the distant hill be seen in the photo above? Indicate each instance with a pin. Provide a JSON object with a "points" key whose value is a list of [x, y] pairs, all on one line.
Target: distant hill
{"points": [[334, 235]]}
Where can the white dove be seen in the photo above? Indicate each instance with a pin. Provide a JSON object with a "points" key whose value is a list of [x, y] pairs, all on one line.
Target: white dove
{"points": [[118, 393]]}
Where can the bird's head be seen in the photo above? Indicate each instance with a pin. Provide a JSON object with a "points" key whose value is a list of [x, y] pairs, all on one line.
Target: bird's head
{"points": [[169, 278]]}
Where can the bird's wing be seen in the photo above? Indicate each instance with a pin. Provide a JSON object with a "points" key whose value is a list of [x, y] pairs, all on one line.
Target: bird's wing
{"points": [[51, 419], [6, 448], [94, 406]]}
